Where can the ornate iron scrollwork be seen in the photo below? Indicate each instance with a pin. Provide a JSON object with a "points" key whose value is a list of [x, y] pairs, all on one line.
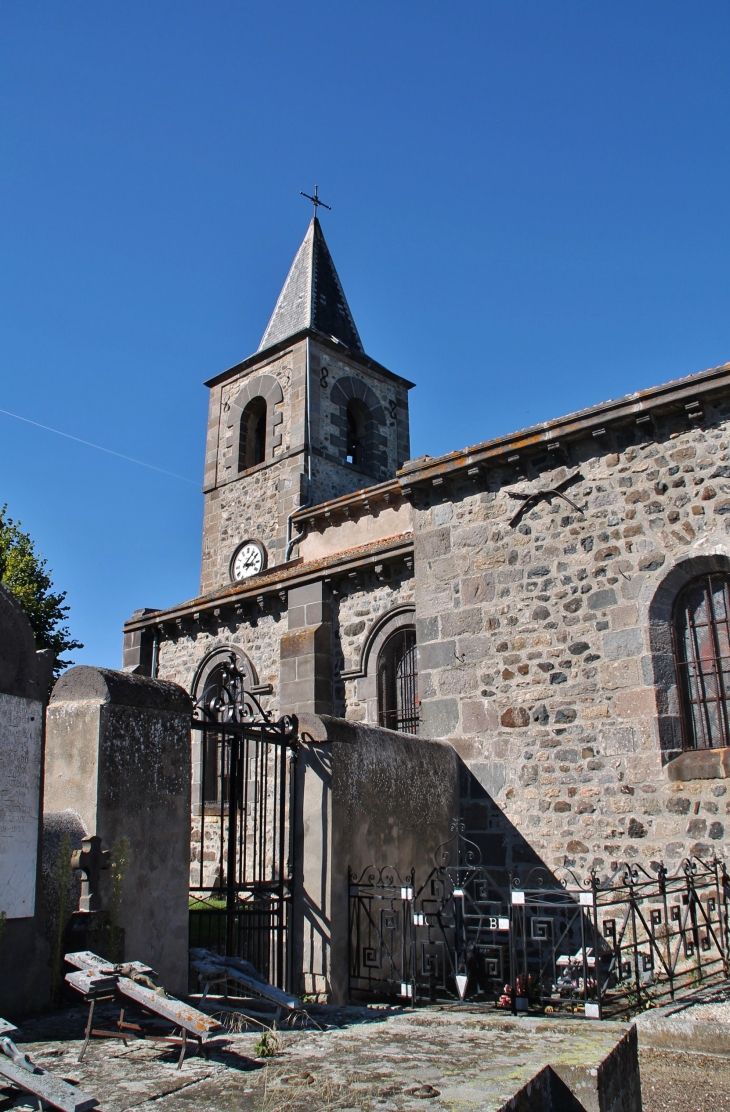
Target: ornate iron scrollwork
{"points": [[225, 700], [467, 852]]}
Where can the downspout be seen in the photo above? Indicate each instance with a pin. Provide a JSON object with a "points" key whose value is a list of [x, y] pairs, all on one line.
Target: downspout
{"points": [[290, 540], [155, 653]]}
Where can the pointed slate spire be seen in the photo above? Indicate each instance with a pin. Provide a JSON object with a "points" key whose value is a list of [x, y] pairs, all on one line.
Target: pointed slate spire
{"points": [[312, 297]]}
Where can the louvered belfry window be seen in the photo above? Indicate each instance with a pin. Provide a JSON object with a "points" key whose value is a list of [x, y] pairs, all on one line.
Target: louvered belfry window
{"points": [[398, 682], [702, 650]]}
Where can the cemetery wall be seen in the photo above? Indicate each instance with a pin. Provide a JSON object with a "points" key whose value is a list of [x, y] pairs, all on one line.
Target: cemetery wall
{"points": [[367, 797]]}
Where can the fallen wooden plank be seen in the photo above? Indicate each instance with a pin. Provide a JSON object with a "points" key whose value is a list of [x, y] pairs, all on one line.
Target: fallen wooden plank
{"points": [[182, 1015], [211, 966], [24, 1074]]}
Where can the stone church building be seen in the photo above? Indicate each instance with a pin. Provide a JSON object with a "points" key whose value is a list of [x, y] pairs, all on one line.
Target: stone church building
{"points": [[555, 603]]}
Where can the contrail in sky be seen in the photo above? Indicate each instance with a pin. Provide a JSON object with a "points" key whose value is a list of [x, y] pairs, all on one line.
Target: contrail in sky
{"points": [[98, 447]]}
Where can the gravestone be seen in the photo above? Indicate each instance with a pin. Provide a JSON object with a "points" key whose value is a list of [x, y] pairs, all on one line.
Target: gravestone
{"points": [[24, 680], [118, 766]]}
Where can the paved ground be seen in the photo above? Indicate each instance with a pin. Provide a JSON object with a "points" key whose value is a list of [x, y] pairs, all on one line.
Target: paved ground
{"points": [[385, 1061], [379, 1061]]}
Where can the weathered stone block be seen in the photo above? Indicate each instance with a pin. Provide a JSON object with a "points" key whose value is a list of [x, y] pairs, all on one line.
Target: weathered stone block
{"points": [[439, 717], [437, 654], [623, 643]]}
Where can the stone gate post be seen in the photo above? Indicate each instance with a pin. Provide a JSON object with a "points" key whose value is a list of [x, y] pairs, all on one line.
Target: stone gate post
{"points": [[118, 756]]}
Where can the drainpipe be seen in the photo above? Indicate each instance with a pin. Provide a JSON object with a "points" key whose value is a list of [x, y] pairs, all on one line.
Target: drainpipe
{"points": [[155, 653], [292, 541]]}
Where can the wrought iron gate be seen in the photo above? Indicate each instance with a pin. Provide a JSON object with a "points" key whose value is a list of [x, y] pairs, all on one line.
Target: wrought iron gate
{"points": [[241, 874]]}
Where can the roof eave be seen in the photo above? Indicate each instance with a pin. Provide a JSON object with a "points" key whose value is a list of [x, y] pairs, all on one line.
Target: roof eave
{"points": [[266, 354], [667, 395]]}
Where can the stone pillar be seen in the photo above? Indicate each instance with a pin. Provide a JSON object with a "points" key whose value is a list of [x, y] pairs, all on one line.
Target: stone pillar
{"points": [[367, 797], [138, 647], [24, 680], [118, 756], [306, 652]]}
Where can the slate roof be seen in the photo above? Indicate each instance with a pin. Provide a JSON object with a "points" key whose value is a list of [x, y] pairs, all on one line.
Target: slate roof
{"points": [[312, 297]]}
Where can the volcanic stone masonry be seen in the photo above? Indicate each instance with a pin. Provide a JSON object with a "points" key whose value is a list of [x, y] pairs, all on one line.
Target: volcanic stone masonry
{"points": [[544, 646]]}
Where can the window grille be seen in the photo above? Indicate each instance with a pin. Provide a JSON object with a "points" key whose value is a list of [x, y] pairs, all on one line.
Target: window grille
{"points": [[398, 682], [702, 651]]}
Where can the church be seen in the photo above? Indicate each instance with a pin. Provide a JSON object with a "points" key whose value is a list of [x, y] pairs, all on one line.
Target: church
{"points": [[553, 603]]}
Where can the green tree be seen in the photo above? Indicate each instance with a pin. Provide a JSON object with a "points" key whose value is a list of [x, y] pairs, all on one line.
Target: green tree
{"points": [[24, 572]]}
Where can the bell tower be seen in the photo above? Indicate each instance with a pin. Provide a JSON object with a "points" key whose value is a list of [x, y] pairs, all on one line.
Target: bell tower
{"points": [[307, 418]]}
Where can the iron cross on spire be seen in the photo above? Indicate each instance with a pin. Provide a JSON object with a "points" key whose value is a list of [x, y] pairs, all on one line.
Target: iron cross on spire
{"points": [[315, 200]]}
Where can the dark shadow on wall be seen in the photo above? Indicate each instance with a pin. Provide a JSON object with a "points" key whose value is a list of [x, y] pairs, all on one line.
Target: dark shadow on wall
{"points": [[504, 850]]}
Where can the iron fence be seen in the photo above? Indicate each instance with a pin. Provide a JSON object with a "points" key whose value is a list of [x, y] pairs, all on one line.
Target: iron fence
{"points": [[538, 943]]}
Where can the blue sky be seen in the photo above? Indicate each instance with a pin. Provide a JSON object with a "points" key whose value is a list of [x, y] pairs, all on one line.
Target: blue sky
{"points": [[530, 215]]}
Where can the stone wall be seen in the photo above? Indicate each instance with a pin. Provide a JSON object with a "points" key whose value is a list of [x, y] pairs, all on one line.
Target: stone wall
{"points": [[361, 607], [357, 605], [256, 504], [392, 394], [25, 677], [543, 651], [257, 633], [366, 797]]}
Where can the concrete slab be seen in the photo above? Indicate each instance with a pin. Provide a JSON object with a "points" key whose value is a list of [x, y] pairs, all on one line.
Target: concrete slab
{"points": [[453, 1058], [699, 1023]]}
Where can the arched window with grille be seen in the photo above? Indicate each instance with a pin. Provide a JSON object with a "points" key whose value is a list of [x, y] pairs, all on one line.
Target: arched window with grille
{"points": [[701, 629], [252, 439], [398, 682]]}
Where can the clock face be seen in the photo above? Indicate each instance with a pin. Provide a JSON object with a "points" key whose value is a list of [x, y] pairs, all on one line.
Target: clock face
{"points": [[249, 560]]}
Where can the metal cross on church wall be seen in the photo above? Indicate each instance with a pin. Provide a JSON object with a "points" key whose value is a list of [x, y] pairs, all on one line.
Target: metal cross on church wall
{"points": [[315, 200], [530, 500]]}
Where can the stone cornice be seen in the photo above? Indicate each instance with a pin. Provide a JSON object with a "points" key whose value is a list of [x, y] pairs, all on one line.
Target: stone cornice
{"points": [[276, 581], [276, 350], [356, 503], [682, 396]]}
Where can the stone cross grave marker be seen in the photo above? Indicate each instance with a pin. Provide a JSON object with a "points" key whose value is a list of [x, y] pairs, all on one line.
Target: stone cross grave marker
{"points": [[90, 861]]}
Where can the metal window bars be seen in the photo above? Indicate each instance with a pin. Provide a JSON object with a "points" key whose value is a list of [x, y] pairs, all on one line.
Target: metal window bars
{"points": [[398, 682], [701, 636]]}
